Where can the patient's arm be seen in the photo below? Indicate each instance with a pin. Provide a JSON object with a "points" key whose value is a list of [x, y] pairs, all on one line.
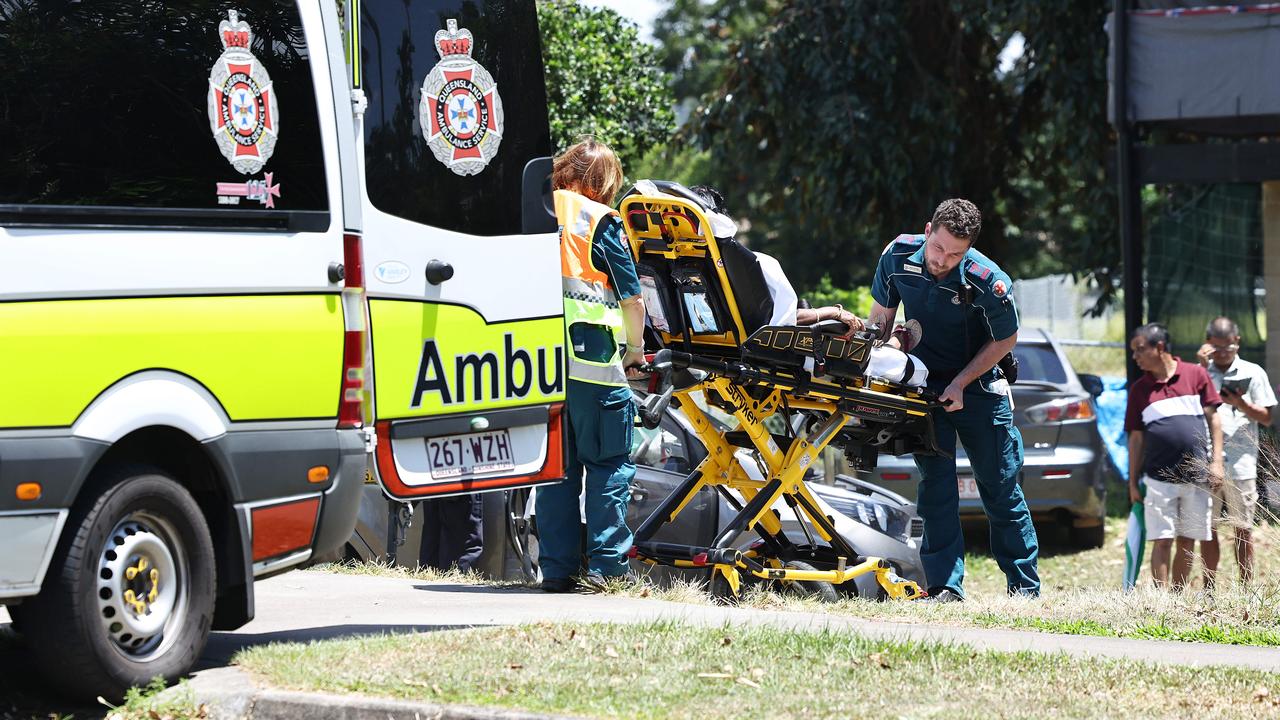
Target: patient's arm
{"points": [[810, 316]]}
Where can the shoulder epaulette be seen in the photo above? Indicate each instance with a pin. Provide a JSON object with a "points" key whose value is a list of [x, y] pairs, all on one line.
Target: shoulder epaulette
{"points": [[909, 239]]}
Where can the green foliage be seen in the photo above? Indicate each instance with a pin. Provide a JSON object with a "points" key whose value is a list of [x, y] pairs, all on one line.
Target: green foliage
{"points": [[602, 80], [698, 39], [833, 126], [856, 301]]}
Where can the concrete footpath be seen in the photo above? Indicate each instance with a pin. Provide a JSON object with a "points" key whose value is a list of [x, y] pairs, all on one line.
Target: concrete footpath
{"points": [[306, 606]]}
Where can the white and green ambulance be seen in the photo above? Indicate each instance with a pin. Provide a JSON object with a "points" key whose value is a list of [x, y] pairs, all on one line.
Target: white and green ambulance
{"points": [[251, 260]]}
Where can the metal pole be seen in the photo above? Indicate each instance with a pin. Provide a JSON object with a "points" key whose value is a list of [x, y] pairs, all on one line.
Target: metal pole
{"points": [[1130, 200]]}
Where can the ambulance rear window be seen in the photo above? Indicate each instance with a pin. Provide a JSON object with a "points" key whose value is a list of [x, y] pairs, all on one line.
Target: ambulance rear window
{"points": [[180, 106], [484, 109]]}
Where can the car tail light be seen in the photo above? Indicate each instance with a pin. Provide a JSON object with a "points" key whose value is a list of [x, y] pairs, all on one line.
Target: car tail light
{"points": [[1060, 410], [895, 476], [351, 395], [1056, 474]]}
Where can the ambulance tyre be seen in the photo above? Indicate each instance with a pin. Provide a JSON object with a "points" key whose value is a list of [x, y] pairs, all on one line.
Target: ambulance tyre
{"points": [[818, 589], [129, 595]]}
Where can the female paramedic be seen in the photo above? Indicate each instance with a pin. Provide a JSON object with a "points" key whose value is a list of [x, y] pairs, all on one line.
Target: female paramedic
{"points": [[604, 321]]}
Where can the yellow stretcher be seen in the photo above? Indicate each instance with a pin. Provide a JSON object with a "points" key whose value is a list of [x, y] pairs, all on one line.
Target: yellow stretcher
{"points": [[706, 312]]}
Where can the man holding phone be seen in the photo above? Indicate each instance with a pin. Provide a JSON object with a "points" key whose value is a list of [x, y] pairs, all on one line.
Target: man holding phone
{"points": [[1246, 392]]}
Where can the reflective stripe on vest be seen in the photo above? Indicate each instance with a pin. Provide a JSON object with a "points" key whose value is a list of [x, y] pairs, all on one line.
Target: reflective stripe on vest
{"points": [[588, 297]]}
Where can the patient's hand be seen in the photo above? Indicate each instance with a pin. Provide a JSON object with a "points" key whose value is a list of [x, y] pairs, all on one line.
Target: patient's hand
{"points": [[852, 323]]}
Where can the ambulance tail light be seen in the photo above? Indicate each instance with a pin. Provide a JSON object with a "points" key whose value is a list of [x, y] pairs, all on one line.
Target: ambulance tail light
{"points": [[352, 393], [352, 262], [351, 404]]}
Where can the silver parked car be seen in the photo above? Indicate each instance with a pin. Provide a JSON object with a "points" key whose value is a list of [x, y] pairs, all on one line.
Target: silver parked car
{"points": [[875, 521], [1066, 465]]}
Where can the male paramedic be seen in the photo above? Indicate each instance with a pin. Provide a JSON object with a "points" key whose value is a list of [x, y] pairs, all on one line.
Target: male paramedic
{"points": [[604, 321], [968, 320]]}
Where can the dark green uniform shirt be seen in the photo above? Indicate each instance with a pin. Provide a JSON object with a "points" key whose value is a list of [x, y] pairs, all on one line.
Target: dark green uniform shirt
{"points": [[902, 278]]}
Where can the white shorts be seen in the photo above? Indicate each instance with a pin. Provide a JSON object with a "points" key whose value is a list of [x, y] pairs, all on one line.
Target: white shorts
{"points": [[1177, 510], [1240, 498]]}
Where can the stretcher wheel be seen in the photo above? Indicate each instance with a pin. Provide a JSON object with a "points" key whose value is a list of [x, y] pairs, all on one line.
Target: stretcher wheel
{"points": [[718, 588], [823, 591]]}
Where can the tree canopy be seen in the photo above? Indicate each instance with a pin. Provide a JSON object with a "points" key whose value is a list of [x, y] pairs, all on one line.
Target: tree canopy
{"points": [[603, 80], [834, 125]]}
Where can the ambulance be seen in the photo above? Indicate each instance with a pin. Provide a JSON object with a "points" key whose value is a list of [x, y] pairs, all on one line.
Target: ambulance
{"points": [[256, 256]]}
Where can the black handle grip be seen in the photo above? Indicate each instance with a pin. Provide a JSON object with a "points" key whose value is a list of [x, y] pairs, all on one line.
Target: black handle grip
{"points": [[438, 271]]}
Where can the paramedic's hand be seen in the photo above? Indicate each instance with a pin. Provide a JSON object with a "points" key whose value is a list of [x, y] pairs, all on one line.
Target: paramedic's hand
{"points": [[633, 359], [954, 393], [1215, 474]]}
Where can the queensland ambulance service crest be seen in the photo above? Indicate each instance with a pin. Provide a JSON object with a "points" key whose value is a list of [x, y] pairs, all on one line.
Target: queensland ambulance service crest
{"points": [[460, 111], [242, 102]]}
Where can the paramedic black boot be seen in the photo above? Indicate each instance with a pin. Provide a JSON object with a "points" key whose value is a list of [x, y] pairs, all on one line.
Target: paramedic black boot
{"points": [[941, 595]]}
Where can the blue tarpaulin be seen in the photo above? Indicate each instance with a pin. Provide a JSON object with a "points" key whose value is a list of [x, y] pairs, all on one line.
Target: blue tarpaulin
{"points": [[1111, 406]]}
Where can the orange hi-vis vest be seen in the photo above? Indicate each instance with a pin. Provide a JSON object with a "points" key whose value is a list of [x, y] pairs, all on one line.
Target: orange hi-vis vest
{"points": [[589, 298]]}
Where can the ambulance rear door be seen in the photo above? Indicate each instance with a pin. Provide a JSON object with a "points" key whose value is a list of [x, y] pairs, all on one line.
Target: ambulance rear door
{"points": [[461, 255]]}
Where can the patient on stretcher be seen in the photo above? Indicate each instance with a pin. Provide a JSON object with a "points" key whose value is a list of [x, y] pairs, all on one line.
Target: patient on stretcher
{"points": [[890, 361]]}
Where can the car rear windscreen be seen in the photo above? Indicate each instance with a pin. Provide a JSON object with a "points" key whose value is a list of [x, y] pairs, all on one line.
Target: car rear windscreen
{"points": [[1039, 363]]}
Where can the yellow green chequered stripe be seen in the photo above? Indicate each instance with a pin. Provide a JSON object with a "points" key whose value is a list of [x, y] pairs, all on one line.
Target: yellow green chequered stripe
{"points": [[268, 357]]}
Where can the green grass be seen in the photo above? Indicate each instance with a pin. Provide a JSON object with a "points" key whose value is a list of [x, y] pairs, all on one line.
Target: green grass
{"points": [[153, 703], [1081, 595], [1147, 631], [670, 670]]}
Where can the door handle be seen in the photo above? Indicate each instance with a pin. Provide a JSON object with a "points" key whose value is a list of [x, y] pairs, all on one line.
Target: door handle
{"points": [[438, 271], [337, 273]]}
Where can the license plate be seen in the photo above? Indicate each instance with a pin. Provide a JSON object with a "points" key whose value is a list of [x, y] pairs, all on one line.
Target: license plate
{"points": [[472, 454], [968, 487]]}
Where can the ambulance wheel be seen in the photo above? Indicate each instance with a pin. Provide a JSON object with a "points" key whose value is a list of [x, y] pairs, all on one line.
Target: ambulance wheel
{"points": [[822, 591], [129, 595]]}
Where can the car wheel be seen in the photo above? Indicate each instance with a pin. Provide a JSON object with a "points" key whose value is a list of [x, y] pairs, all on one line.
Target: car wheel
{"points": [[819, 589], [1088, 538], [132, 598]]}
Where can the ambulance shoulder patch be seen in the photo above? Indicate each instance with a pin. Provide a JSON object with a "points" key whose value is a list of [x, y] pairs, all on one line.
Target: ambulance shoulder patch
{"points": [[978, 270], [999, 288]]}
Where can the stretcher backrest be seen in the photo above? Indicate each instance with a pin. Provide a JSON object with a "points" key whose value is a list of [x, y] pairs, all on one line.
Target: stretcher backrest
{"points": [[707, 294]]}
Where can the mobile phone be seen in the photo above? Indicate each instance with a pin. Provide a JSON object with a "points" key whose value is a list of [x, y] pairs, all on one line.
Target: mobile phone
{"points": [[1236, 386]]}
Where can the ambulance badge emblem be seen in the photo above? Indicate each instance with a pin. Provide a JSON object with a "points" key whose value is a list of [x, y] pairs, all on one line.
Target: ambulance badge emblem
{"points": [[460, 111], [243, 115]]}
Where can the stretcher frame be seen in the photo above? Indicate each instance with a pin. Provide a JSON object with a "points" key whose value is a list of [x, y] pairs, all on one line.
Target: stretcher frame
{"points": [[751, 390]]}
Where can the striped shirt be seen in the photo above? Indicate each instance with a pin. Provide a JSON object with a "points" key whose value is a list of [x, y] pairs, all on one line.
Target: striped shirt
{"points": [[1170, 413]]}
